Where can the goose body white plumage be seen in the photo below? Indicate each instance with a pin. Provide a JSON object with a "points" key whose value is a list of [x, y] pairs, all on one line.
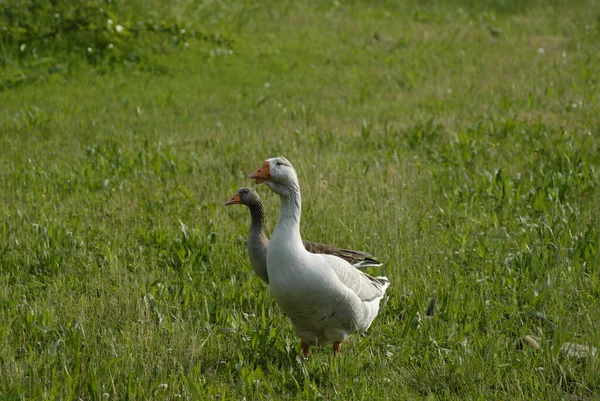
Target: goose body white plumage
{"points": [[324, 296], [325, 304]]}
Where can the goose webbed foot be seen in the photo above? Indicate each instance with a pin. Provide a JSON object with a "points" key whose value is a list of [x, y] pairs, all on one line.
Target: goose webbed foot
{"points": [[337, 348], [305, 350]]}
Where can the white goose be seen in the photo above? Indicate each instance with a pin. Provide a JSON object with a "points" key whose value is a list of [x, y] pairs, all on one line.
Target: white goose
{"points": [[258, 242], [324, 296]]}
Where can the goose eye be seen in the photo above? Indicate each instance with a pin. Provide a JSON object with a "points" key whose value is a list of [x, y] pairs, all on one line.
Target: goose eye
{"points": [[279, 163]]}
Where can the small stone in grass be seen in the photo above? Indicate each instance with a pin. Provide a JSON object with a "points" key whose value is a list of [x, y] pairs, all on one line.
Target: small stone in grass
{"points": [[577, 351], [532, 342]]}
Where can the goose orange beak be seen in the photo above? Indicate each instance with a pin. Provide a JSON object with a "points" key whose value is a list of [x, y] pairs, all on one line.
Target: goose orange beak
{"points": [[262, 174], [234, 200]]}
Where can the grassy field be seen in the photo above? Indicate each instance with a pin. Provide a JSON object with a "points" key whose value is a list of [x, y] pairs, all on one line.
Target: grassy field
{"points": [[457, 141]]}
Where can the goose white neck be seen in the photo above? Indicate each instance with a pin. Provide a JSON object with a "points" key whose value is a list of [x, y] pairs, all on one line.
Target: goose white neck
{"points": [[290, 210]]}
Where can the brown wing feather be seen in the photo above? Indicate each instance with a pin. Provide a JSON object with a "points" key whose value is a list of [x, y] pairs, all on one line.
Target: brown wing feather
{"points": [[349, 255]]}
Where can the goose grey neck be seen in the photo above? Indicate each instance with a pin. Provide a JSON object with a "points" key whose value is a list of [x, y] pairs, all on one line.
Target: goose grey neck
{"points": [[257, 214]]}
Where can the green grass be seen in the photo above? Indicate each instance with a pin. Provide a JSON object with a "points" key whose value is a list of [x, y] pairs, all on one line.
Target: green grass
{"points": [[468, 162]]}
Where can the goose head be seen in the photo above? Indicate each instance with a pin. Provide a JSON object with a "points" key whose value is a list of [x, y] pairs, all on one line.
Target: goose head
{"points": [[244, 196], [278, 174]]}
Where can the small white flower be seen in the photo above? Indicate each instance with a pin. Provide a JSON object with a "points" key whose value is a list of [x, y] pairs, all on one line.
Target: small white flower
{"points": [[23, 47], [56, 15], [109, 21], [90, 50], [119, 28], [163, 386], [186, 45], [541, 51], [111, 46], [182, 31]]}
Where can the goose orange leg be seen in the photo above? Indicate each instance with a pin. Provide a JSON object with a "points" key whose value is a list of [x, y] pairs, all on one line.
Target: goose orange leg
{"points": [[337, 348], [305, 350]]}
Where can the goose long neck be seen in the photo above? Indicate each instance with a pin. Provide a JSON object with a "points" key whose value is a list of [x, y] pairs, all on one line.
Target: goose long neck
{"points": [[290, 211], [257, 215]]}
